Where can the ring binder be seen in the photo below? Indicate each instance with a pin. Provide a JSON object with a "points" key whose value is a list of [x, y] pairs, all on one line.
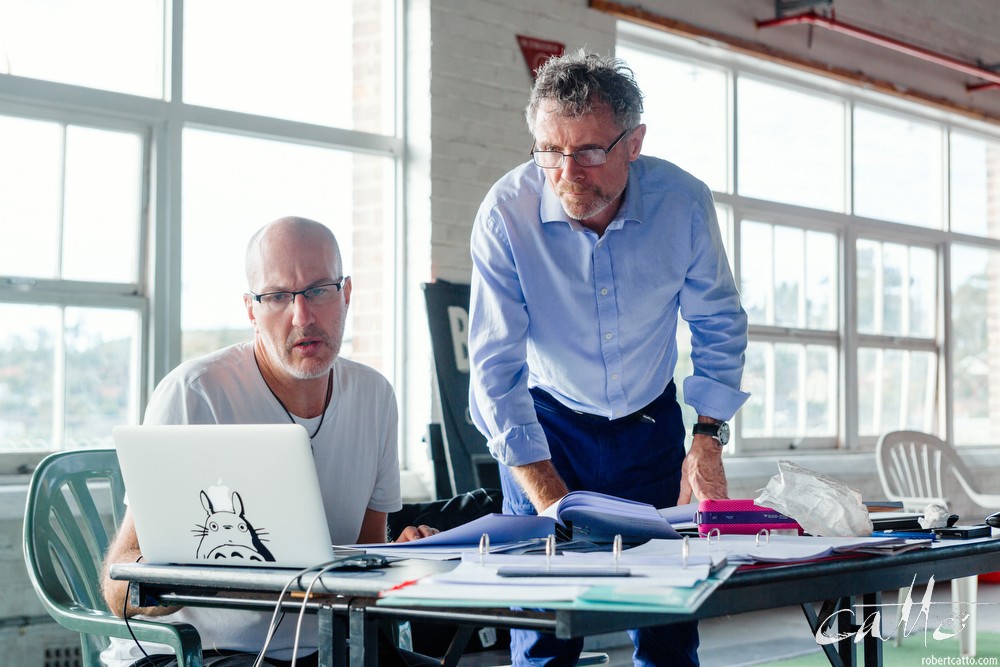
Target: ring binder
{"points": [[742, 517]]}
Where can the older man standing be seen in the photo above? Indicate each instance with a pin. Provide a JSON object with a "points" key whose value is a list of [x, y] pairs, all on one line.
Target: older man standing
{"points": [[583, 258]]}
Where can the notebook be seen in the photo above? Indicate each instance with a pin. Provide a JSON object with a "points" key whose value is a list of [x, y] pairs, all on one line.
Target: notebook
{"points": [[224, 494]]}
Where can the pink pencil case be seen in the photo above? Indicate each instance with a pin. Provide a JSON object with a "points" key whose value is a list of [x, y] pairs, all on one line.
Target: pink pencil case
{"points": [[742, 517]]}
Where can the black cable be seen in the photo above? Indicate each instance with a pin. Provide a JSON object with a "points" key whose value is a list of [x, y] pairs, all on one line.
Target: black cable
{"points": [[128, 590]]}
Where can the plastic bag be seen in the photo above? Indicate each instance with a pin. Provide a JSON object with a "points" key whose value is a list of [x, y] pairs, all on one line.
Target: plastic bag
{"points": [[822, 505]]}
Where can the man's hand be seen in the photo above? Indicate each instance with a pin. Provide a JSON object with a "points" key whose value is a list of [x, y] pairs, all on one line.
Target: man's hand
{"points": [[411, 533], [702, 473]]}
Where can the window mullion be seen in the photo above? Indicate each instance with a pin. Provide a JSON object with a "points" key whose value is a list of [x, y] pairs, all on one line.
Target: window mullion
{"points": [[59, 384]]}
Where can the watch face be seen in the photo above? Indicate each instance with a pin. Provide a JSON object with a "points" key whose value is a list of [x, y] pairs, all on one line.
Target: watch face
{"points": [[718, 431]]}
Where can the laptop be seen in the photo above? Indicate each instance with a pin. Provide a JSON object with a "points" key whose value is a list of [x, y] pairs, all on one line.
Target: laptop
{"points": [[224, 494]]}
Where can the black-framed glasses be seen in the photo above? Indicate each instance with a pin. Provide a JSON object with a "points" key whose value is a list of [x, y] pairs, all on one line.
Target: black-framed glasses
{"points": [[318, 295], [588, 157]]}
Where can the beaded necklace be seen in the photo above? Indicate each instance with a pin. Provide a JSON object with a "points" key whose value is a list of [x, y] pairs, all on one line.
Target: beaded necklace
{"points": [[326, 404]]}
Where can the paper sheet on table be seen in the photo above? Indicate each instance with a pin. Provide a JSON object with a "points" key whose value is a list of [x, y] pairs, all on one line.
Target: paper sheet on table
{"points": [[632, 596], [509, 594], [472, 572], [505, 530], [474, 581], [442, 552], [775, 549], [681, 514], [628, 594]]}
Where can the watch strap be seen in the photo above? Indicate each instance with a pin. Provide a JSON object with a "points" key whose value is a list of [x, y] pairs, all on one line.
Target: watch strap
{"points": [[717, 430], [702, 428]]}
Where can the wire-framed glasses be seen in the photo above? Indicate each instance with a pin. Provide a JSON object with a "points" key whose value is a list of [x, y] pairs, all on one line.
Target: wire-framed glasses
{"points": [[588, 157], [318, 295]]}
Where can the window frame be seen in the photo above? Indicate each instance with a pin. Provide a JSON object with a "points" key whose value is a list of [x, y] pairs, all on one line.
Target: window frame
{"points": [[847, 227], [156, 289]]}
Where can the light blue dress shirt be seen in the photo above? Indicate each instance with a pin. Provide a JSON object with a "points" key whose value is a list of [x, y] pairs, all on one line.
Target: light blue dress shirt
{"points": [[593, 320]]}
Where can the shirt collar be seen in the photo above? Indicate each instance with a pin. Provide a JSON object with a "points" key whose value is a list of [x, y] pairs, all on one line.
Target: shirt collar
{"points": [[551, 209]]}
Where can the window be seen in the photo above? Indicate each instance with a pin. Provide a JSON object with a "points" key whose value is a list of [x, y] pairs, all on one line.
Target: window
{"points": [[122, 246], [791, 145], [695, 134], [898, 168], [975, 349], [897, 355], [975, 168], [867, 236], [69, 248], [37, 38], [789, 291]]}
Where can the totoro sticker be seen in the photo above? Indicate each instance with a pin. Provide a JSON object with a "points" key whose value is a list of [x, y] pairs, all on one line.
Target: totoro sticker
{"points": [[226, 534]]}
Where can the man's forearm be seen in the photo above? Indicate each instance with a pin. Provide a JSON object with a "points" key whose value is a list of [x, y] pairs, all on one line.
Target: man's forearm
{"points": [[541, 483]]}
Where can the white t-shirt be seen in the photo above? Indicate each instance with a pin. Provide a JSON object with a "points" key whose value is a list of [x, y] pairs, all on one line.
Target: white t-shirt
{"points": [[356, 459]]}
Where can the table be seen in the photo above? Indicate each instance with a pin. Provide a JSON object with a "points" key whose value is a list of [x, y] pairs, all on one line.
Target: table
{"points": [[348, 611]]}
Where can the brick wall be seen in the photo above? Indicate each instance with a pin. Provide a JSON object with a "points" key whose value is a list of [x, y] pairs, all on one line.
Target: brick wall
{"points": [[467, 86], [478, 91]]}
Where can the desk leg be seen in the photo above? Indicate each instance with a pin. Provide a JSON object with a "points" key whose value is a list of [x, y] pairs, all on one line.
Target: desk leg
{"points": [[846, 626], [362, 639], [872, 609], [829, 622], [849, 620], [332, 635]]}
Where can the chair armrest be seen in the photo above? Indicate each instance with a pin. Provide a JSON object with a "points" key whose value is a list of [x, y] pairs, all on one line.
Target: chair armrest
{"points": [[183, 638]]}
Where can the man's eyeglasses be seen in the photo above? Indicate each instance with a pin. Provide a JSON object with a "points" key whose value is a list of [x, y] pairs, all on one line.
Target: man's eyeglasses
{"points": [[320, 295], [588, 157]]}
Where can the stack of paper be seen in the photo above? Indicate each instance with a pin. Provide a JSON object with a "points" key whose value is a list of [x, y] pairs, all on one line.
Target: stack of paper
{"points": [[632, 582], [776, 548]]}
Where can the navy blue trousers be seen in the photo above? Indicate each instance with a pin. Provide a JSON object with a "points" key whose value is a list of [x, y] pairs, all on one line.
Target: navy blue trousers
{"points": [[632, 457]]}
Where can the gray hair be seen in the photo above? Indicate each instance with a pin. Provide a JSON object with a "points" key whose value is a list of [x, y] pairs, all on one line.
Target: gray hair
{"points": [[582, 83]]}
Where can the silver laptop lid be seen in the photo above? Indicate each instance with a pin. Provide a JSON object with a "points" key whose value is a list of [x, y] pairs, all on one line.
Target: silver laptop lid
{"points": [[224, 494]]}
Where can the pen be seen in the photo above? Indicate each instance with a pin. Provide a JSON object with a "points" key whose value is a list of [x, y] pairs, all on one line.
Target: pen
{"points": [[905, 534]]}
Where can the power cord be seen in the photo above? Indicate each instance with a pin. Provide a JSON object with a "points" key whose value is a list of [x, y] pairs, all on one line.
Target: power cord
{"points": [[275, 621], [128, 626], [273, 626], [321, 568], [305, 601]]}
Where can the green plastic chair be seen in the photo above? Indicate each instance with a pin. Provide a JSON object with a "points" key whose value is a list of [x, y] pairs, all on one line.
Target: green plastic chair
{"points": [[65, 537]]}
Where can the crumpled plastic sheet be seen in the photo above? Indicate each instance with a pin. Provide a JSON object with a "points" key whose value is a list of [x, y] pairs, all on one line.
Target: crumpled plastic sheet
{"points": [[820, 504]]}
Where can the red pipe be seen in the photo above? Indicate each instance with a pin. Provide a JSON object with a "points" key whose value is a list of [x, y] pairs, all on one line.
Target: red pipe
{"points": [[812, 18]]}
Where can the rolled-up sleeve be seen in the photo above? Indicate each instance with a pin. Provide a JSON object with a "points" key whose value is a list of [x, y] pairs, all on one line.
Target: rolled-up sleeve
{"points": [[710, 303], [499, 401]]}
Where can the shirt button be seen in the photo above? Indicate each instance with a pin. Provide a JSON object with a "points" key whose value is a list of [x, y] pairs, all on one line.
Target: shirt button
{"points": [[608, 336], [614, 376], [604, 291]]}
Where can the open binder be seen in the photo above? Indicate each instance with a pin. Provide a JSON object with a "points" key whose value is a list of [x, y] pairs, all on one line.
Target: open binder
{"points": [[599, 517]]}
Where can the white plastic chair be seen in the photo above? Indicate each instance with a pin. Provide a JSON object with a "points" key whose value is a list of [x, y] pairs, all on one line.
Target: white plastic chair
{"points": [[913, 468]]}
